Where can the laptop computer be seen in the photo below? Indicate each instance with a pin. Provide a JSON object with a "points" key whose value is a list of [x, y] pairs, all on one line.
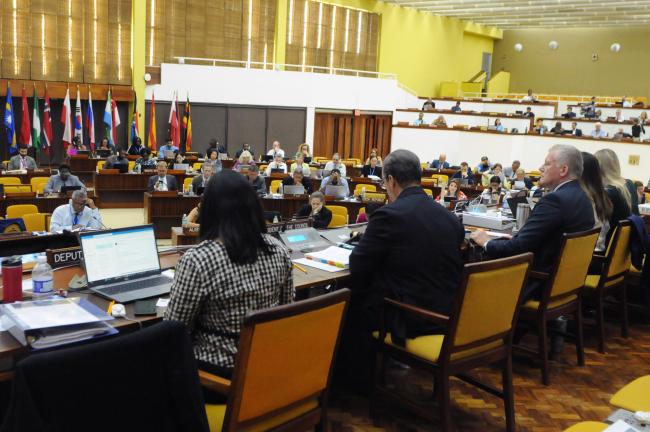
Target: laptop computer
{"points": [[267, 158], [122, 264], [169, 154], [514, 202], [222, 156], [181, 166], [103, 153], [293, 190], [66, 189], [308, 159], [277, 171], [338, 191], [123, 168]]}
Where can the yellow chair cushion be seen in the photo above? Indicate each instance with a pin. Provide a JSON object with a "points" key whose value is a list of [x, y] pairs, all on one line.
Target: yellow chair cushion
{"points": [[592, 281], [428, 347], [217, 413], [534, 304], [588, 426], [635, 396]]}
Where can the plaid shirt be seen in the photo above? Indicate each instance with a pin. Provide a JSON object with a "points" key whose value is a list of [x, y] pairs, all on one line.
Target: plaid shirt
{"points": [[211, 295]]}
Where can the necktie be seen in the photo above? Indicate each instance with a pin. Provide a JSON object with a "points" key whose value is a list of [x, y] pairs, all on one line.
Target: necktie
{"points": [[23, 163], [75, 221]]}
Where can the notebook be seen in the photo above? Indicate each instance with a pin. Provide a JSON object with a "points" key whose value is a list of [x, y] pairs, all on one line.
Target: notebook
{"points": [[333, 255]]}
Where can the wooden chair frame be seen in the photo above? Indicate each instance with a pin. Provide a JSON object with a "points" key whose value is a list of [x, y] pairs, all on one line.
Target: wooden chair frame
{"points": [[601, 291], [444, 368], [315, 418], [544, 313]]}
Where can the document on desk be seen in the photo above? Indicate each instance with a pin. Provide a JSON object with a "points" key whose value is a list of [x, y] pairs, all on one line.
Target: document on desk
{"points": [[319, 265], [333, 255]]}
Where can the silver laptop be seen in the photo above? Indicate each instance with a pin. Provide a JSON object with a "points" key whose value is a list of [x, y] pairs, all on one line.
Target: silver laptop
{"points": [[181, 166], [169, 154], [122, 264], [222, 156], [293, 190], [338, 191]]}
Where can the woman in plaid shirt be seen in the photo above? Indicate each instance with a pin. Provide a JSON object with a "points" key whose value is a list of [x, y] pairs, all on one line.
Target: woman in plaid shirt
{"points": [[236, 268]]}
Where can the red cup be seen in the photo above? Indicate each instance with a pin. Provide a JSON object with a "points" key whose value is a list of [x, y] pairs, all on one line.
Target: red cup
{"points": [[12, 279]]}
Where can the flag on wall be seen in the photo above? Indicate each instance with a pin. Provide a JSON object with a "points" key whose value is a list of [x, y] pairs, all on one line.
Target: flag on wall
{"points": [[174, 127], [108, 120], [78, 123], [65, 119], [135, 126], [116, 121], [36, 123], [25, 126], [90, 121], [152, 124], [47, 123], [10, 124], [187, 125]]}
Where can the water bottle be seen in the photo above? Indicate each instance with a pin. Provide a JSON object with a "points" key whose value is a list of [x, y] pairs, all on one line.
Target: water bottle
{"points": [[275, 219], [137, 168], [184, 220], [42, 278], [191, 189], [363, 193], [281, 189]]}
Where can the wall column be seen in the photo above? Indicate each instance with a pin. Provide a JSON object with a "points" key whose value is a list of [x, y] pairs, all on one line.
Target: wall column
{"points": [[281, 31], [138, 56]]}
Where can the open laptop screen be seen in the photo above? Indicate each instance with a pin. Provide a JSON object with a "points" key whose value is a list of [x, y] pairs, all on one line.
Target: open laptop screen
{"points": [[119, 254]]}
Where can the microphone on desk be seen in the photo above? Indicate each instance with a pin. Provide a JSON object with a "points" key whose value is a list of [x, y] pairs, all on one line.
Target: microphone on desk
{"points": [[100, 222]]}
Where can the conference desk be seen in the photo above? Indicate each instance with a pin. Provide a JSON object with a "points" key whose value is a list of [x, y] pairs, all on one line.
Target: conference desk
{"points": [[125, 190], [587, 126], [610, 110], [84, 167], [531, 150], [11, 350], [165, 212], [467, 118], [45, 204], [27, 177], [541, 109]]}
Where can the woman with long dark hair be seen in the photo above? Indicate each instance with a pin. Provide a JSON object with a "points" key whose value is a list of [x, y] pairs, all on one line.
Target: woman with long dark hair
{"points": [[592, 183], [235, 268]]}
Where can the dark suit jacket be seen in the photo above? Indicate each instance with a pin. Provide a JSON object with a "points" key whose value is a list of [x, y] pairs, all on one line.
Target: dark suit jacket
{"points": [[436, 164], [321, 220], [569, 114], [365, 171], [470, 176], [171, 183], [389, 260], [566, 210], [197, 182]]}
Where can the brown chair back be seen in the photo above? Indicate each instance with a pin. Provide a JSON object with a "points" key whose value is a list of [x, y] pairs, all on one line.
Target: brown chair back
{"points": [[487, 303], [284, 361]]}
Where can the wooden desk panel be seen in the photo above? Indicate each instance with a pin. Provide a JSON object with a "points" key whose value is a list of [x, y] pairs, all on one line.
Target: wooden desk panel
{"points": [[124, 190], [84, 168]]}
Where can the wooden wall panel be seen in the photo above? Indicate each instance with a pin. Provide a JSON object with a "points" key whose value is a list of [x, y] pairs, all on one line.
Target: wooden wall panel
{"points": [[351, 136]]}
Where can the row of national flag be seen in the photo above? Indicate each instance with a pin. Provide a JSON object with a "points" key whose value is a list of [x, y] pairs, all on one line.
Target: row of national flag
{"points": [[37, 133]]}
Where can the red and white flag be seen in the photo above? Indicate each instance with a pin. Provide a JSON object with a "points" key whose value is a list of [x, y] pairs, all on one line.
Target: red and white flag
{"points": [[78, 123], [174, 125], [65, 119], [26, 126], [116, 121]]}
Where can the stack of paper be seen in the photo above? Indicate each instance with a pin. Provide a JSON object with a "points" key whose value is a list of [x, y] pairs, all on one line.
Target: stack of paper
{"points": [[333, 255]]}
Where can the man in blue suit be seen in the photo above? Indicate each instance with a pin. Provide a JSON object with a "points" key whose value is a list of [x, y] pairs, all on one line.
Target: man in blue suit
{"points": [[565, 209], [441, 163]]}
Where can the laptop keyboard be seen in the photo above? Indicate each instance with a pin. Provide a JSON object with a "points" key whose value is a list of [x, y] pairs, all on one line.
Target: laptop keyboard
{"points": [[134, 285]]}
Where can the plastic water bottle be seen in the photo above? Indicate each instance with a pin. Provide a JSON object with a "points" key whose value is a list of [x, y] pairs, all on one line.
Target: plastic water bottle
{"points": [[363, 193], [42, 278], [275, 219], [184, 220], [281, 189], [191, 190]]}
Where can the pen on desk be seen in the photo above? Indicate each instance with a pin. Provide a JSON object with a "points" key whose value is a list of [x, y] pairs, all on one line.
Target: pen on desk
{"points": [[110, 307], [301, 268]]}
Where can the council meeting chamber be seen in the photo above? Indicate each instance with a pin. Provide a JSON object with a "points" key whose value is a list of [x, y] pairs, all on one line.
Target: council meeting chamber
{"points": [[306, 215]]}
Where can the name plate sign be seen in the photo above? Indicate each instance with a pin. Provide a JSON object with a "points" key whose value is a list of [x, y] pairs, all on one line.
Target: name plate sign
{"points": [[191, 231], [64, 257], [279, 227]]}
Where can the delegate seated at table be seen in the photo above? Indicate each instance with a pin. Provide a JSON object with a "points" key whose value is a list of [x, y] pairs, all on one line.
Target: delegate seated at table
{"points": [[22, 161], [162, 181], [63, 178], [321, 215], [202, 180], [117, 160], [335, 179], [80, 213], [298, 179], [256, 181]]}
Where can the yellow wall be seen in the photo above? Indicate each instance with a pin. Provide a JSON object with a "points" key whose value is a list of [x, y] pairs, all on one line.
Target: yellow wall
{"points": [[138, 46], [499, 84], [570, 69], [425, 49]]}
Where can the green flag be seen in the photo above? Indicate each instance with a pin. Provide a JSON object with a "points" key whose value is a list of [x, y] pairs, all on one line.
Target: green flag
{"points": [[36, 124]]}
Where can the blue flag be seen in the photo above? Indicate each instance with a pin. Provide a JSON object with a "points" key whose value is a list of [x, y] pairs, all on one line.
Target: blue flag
{"points": [[10, 124]]}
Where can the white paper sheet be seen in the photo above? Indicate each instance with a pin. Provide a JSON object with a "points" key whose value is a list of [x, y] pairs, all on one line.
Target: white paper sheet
{"points": [[54, 315]]}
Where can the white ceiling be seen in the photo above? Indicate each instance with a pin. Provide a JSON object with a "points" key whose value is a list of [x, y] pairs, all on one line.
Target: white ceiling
{"points": [[507, 14]]}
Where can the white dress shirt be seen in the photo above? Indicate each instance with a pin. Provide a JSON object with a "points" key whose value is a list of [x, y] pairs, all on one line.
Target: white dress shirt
{"points": [[273, 165], [161, 184], [63, 218], [329, 166], [274, 152]]}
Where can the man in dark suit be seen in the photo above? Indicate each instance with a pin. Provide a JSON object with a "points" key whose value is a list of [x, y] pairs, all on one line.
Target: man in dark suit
{"points": [[388, 260], [566, 209], [440, 163], [569, 114], [162, 181], [574, 130], [202, 180]]}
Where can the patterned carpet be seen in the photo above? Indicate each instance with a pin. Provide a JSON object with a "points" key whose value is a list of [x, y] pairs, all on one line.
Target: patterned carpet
{"points": [[575, 394]]}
